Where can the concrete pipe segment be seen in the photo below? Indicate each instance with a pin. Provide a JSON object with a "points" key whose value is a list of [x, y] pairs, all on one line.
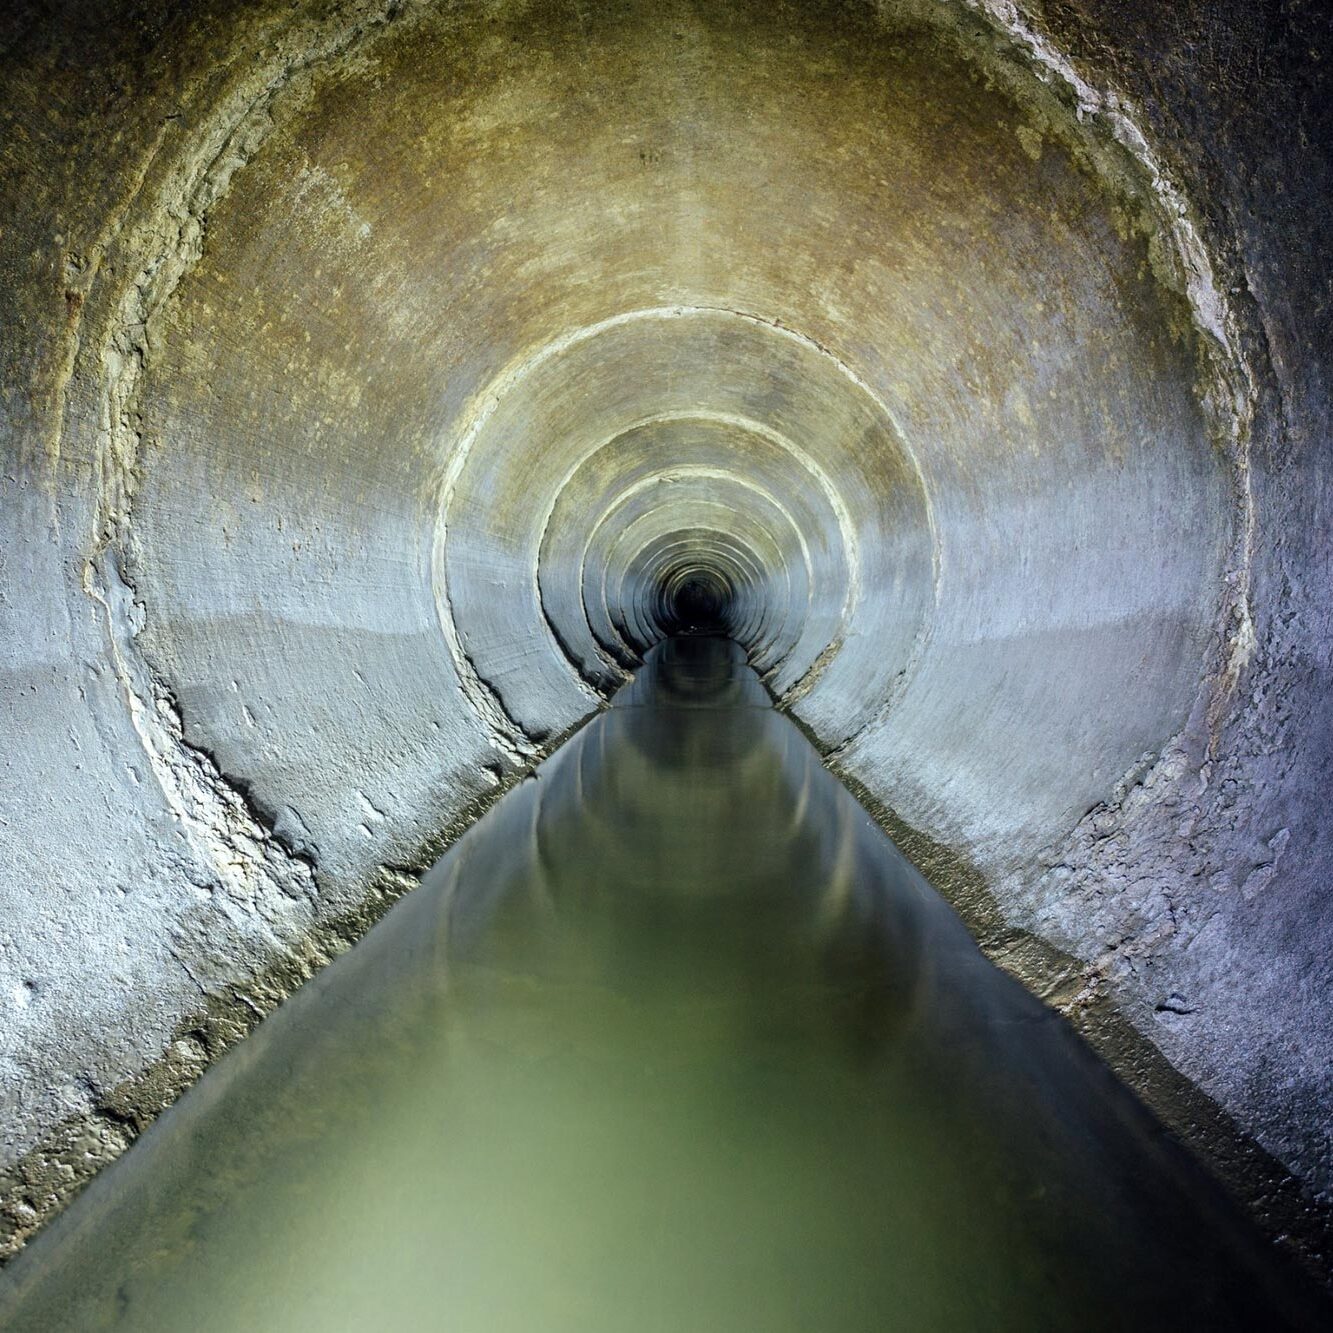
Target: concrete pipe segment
{"points": [[380, 378]]}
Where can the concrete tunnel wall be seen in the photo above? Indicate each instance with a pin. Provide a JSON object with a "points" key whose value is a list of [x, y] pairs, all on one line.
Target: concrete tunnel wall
{"points": [[375, 371]]}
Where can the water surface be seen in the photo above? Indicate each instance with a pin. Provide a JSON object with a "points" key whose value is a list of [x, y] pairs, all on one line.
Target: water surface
{"points": [[674, 1040]]}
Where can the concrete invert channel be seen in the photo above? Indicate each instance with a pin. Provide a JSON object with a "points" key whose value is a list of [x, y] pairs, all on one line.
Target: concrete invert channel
{"points": [[673, 1039], [382, 379]]}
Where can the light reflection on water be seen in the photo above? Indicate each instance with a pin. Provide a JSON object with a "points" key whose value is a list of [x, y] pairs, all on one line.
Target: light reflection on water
{"points": [[673, 1040]]}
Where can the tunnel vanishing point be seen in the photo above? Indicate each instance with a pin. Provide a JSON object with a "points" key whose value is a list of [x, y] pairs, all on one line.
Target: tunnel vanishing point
{"points": [[379, 379]]}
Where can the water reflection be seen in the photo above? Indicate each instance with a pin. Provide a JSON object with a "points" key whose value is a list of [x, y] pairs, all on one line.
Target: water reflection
{"points": [[673, 1040]]}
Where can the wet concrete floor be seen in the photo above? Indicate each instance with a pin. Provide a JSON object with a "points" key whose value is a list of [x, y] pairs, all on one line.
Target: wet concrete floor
{"points": [[674, 1040]]}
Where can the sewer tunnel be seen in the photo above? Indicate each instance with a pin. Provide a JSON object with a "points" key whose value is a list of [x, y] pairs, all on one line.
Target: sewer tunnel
{"points": [[386, 380]]}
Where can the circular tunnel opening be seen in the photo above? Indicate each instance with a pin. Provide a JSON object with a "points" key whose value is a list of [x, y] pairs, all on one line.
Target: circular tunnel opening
{"points": [[695, 601], [697, 605]]}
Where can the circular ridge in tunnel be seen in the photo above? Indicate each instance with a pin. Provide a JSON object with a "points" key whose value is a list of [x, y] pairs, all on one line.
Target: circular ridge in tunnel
{"points": [[694, 597]]}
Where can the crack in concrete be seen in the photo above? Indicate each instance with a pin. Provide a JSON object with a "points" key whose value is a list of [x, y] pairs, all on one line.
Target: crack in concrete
{"points": [[218, 814], [506, 732]]}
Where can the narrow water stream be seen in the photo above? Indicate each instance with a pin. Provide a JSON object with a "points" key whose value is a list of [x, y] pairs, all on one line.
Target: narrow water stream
{"points": [[674, 1040]]}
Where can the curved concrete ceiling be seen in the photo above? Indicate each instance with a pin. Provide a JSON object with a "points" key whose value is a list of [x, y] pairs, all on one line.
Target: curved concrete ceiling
{"points": [[388, 370]]}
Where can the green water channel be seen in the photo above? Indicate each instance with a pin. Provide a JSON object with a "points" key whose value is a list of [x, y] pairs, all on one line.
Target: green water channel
{"points": [[673, 1041]]}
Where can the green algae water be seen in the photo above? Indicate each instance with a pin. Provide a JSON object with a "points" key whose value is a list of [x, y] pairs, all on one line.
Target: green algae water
{"points": [[673, 1041]]}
